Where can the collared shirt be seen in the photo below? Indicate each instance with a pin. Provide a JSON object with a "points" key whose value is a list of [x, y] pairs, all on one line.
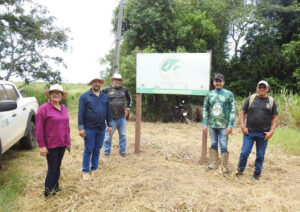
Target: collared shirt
{"points": [[52, 126], [219, 109], [93, 111]]}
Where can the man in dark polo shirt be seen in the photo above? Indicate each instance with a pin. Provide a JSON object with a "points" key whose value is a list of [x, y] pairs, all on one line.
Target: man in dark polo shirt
{"points": [[262, 119]]}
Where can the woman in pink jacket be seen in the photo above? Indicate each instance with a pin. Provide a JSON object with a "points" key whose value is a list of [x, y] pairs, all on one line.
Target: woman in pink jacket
{"points": [[53, 135]]}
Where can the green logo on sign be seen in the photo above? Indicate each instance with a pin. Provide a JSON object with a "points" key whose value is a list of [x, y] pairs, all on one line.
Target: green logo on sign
{"points": [[170, 65], [170, 68]]}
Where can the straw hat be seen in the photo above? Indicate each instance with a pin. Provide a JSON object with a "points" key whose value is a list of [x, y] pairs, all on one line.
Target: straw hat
{"points": [[97, 78], [56, 87]]}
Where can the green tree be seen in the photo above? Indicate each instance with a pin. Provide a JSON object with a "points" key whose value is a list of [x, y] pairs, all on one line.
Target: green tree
{"points": [[240, 17], [27, 33], [270, 46], [291, 53], [169, 26]]}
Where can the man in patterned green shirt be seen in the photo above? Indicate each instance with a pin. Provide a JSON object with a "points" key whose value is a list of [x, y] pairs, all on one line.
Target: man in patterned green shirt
{"points": [[218, 116]]}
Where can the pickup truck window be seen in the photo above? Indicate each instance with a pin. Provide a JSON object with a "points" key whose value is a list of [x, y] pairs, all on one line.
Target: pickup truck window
{"points": [[3, 95], [12, 94]]}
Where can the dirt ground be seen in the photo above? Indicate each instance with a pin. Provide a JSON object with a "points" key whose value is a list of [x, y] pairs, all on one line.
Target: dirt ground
{"points": [[165, 176]]}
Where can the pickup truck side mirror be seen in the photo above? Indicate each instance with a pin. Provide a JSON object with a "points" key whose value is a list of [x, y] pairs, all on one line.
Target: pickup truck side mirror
{"points": [[6, 105]]}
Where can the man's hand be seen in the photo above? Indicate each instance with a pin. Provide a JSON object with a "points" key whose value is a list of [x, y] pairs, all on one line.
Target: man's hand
{"points": [[245, 130], [205, 129], [82, 133], [43, 151], [268, 135], [126, 112], [228, 130], [110, 131]]}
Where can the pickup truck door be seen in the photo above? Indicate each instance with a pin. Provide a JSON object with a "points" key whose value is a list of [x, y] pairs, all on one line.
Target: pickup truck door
{"points": [[15, 124], [7, 120]]}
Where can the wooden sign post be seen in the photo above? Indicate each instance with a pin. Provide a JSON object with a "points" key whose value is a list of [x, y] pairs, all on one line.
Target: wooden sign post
{"points": [[138, 122], [204, 148]]}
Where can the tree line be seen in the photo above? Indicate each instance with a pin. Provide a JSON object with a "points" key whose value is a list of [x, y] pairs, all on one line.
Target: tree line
{"points": [[265, 36], [27, 34]]}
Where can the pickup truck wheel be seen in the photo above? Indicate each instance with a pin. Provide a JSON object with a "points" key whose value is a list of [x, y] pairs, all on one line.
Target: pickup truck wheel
{"points": [[28, 141]]}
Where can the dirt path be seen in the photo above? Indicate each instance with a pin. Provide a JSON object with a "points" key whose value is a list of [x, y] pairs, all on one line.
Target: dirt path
{"points": [[166, 176]]}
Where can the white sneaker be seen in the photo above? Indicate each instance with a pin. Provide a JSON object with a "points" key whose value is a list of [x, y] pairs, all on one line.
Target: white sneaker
{"points": [[85, 176]]}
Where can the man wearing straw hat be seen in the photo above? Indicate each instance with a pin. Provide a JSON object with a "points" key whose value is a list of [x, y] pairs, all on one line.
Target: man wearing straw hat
{"points": [[117, 95], [92, 113], [262, 119]]}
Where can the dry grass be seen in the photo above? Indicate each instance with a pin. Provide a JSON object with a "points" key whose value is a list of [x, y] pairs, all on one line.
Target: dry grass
{"points": [[165, 176]]}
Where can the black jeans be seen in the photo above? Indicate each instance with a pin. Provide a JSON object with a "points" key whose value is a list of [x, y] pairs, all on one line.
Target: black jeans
{"points": [[54, 158]]}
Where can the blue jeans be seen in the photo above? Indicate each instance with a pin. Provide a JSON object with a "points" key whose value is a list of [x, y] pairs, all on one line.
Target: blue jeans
{"points": [[119, 124], [218, 135], [93, 142], [261, 146]]}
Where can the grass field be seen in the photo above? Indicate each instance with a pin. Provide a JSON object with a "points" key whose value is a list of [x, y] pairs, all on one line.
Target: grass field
{"points": [[165, 176]]}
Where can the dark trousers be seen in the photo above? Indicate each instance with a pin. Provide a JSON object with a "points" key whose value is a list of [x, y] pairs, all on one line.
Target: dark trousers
{"points": [[54, 158]]}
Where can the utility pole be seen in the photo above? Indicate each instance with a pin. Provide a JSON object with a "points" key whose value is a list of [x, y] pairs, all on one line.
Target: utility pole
{"points": [[118, 40]]}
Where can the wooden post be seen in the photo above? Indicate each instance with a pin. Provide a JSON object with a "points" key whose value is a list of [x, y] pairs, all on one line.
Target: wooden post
{"points": [[138, 122], [204, 135], [204, 148]]}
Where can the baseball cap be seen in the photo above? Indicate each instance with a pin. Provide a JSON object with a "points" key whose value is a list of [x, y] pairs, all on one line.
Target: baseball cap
{"points": [[263, 82], [219, 76], [116, 76]]}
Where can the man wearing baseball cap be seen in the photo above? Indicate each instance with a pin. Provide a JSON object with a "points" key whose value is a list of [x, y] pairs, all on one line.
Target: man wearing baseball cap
{"points": [[219, 116], [262, 119], [117, 95], [93, 112]]}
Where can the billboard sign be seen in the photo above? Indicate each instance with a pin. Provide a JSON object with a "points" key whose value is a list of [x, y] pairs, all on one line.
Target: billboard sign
{"points": [[173, 73]]}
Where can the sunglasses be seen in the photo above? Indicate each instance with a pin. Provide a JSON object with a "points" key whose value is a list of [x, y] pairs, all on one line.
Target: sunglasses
{"points": [[56, 93]]}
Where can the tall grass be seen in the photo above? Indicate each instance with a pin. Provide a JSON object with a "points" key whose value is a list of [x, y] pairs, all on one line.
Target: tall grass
{"points": [[288, 104], [288, 107], [74, 92], [11, 186], [287, 138]]}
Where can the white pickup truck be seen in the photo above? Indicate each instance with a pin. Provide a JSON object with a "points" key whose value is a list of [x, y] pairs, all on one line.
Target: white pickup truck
{"points": [[17, 118]]}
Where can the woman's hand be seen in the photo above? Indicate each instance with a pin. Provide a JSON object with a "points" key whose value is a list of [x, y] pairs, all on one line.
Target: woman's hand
{"points": [[43, 151]]}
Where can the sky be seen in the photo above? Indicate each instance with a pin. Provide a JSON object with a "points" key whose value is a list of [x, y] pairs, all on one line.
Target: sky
{"points": [[91, 33]]}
